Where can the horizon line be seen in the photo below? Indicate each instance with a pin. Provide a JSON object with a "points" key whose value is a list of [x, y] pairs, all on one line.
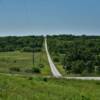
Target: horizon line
{"points": [[73, 34]]}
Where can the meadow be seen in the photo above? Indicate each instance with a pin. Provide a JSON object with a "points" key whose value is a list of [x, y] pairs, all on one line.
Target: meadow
{"points": [[39, 88], [22, 62]]}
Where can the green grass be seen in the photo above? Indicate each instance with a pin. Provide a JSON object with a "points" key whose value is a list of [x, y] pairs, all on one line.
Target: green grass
{"points": [[25, 88], [24, 61], [17, 59], [41, 59], [60, 68]]}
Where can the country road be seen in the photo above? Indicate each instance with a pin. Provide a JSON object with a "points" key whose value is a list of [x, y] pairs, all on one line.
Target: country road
{"points": [[83, 78], [54, 70]]}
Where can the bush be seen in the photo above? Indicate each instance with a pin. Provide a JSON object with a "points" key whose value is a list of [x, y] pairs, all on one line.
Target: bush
{"points": [[45, 79], [56, 59], [36, 70], [33, 70], [78, 67], [14, 69]]}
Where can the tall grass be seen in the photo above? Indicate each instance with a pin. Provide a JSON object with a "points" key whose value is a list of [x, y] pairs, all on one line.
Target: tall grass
{"points": [[37, 88]]}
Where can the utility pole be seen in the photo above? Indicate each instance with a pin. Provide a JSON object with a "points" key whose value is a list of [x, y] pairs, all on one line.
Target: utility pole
{"points": [[33, 56]]}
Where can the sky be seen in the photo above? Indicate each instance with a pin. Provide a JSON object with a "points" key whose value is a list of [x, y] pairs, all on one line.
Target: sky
{"points": [[36, 17]]}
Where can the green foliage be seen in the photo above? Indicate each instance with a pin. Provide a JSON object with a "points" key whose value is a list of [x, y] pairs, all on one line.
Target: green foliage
{"points": [[14, 69], [56, 59], [77, 67], [97, 69], [10, 61], [41, 65], [45, 79], [79, 53], [25, 43], [27, 49], [36, 88], [36, 70]]}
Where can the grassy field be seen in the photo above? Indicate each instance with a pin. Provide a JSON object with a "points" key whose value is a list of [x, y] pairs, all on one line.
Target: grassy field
{"points": [[41, 59], [23, 61], [16, 59], [28, 88]]}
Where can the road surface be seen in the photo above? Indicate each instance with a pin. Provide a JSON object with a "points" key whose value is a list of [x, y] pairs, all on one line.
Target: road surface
{"points": [[54, 70], [83, 78]]}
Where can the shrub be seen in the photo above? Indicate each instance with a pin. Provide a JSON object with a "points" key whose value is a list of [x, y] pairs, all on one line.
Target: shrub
{"points": [[14, 69], [36, 70], [78, 67], [45, 79], [56, 59]]}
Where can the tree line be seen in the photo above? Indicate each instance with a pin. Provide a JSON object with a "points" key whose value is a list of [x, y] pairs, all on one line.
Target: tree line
{"points": [[22, 43]]}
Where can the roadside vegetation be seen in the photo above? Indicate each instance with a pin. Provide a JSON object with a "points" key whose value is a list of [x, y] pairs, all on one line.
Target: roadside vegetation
{"points": [[36, 88], [77, 55]]}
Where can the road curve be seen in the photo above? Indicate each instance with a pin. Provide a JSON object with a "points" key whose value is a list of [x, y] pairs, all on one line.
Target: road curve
{"points": [[54, 70]]}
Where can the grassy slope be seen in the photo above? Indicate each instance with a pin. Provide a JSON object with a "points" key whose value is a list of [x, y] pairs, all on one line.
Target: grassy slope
{"points": [[60, 68], [41, 58], [21, 88], [15, 59], [23, 60]]}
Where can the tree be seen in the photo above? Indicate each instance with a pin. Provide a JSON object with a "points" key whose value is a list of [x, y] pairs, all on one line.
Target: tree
{"points": [[78, 67]]}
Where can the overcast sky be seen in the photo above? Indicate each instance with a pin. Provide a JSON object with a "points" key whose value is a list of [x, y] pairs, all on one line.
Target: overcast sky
{"points": [[25, 17]]}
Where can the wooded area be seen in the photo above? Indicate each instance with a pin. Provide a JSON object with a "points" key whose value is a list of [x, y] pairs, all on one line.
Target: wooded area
{"points": [[25, 43], [77, 54]]}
